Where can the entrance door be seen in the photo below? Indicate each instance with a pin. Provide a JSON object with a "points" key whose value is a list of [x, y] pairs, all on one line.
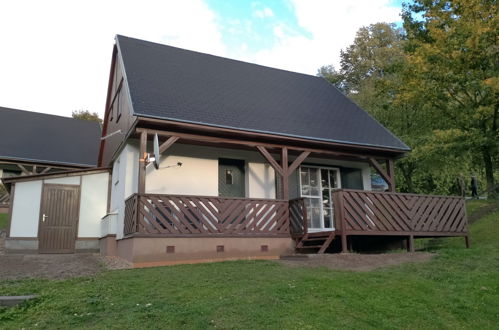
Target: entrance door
{"points": [[231, 178], [58, 218], [316, 186]]}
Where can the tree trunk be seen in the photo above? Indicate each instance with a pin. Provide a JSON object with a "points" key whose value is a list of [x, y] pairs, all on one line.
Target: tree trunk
{"points": [[489, 172]]}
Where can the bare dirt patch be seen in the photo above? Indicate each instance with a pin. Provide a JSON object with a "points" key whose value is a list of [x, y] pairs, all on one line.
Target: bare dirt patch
{"points": [[55, 266], [355, 261]]}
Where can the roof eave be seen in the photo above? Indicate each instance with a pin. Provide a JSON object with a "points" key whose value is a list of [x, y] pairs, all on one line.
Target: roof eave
{"points": [[331, 143]]}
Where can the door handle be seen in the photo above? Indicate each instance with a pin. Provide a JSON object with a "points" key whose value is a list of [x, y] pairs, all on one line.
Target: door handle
{"points": [[44, 217]]}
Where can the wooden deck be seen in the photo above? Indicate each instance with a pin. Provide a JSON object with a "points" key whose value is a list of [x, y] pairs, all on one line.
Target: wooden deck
{"points": [[366, 213], [356, 212]]}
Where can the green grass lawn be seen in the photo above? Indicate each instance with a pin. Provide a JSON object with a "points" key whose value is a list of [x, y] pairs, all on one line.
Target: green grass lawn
{"points": [[459, 288], [3, 221]]}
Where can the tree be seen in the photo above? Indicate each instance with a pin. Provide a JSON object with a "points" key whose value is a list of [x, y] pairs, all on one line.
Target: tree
{"points": [[375, 73], [86, 115], [452, 56]]}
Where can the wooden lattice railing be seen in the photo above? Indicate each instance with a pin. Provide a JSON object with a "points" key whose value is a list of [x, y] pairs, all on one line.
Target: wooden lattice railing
{"points": [[199, 215], [298, 223], [366, 212]]}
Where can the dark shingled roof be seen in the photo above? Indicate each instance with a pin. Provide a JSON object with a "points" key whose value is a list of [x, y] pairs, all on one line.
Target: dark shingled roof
{"points": [[181, 85], [41, 138]]}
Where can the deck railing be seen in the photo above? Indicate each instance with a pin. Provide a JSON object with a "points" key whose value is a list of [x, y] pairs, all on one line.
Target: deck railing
{"points": [[179, 215], [298, 223], [383, 213]]}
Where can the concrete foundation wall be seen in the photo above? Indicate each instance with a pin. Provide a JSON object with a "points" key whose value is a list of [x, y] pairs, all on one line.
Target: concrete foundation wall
{"points": [[144, 252]]}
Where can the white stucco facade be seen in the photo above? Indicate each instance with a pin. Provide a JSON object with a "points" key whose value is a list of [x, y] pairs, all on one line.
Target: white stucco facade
{"points": [[93, 204]]}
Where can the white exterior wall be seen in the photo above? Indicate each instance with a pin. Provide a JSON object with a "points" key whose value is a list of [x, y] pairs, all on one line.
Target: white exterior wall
{"points": [[198, 174], [28, 198], [124, 182], [26, 209], [93, 204]]}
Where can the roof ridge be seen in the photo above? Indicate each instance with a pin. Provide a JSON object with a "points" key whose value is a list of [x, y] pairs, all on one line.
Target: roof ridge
{"points": [[216, 56]]}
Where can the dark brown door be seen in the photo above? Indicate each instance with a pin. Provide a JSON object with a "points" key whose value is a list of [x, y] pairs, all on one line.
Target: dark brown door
{"points": [[231, 178], [58, 218]]}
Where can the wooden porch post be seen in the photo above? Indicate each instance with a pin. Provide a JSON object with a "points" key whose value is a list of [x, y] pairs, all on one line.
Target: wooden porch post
{"points": [[283, 169], [285, 175], [343, 226], [391, 172], [142, 162], [410, 243]]}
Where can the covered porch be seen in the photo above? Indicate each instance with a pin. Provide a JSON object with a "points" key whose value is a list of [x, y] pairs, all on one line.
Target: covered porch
{"points": [[346, 213]]}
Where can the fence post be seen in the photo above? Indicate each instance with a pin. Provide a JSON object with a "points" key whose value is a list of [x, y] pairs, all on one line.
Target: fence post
{"points": [[137, 213], [343, 227]]}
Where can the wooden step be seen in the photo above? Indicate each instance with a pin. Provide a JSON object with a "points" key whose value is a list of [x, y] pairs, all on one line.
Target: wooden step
{"points": [[325, 237], [310, 247], [316, 239]]}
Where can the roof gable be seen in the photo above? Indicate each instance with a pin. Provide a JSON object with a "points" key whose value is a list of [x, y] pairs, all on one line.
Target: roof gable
{"points": [[48, 139], [176, 84]]}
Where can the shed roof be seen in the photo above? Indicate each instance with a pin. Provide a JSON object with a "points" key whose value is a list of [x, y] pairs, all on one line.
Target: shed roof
{"points": [[48, 139], [186, 86]]}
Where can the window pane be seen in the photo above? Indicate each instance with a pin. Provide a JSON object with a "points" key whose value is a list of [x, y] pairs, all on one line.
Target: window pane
{"points": [[327, 221], [326, 198], [315, 202], [316, 217], [332, 179], [314, 180], [324, 178], [305, 182]]}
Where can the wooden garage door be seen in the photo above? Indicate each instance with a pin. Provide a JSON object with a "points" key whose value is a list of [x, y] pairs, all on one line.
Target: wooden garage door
{"points": [[58, 218]]}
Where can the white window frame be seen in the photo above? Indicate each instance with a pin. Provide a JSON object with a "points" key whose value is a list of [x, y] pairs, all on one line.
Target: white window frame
{"points": [[338, 179]]}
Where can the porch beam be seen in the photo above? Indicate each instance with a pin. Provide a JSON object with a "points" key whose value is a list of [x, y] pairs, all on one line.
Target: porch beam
{"points": [[212, 139], [168, 143], [46, 170], [23, 169], [271, 160], [383, 174], [142, 162], [297, 162]]}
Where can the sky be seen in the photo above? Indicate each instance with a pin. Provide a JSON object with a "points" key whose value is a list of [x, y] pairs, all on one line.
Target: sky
{"points": [[55, 55]]}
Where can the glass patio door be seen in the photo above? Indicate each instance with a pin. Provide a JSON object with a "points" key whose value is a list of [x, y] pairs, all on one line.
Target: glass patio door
{"points": [[316, 187]]}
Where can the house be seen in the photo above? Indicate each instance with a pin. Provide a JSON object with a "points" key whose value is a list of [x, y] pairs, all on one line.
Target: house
{"points": [[215, 159], [32, 143]]}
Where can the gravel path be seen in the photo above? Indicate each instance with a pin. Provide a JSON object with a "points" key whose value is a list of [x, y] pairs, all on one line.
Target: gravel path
{"points": [[56, 266]]}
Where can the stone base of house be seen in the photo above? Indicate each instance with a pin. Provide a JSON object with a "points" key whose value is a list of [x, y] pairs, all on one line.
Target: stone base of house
{"points": [[29, 245], [161, 251], [4, 210]]}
